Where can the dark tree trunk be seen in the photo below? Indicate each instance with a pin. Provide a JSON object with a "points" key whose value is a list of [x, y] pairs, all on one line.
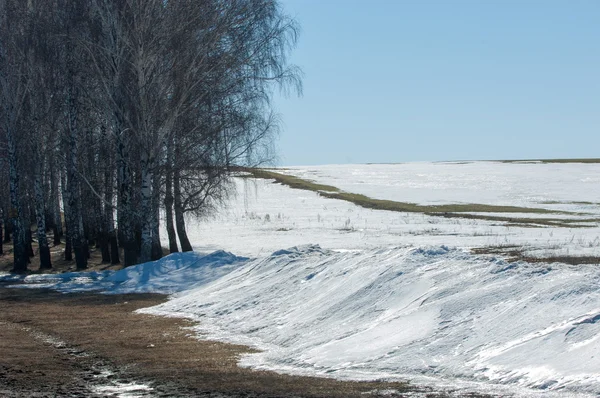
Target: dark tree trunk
{"points": [[146, 215], [7, 230], [173, 248], [124, 211], [111, 237], [73, 189], [179, 220], [169, 202], [1, 224], [86, 248], [16, 213], [105, 247], [68, 245], [67, 212], [44, 249], [56, 239], [57, 228], [29, 240], [156, 246], [109, 220], [114, 249], [45, 258], [80, 255]]}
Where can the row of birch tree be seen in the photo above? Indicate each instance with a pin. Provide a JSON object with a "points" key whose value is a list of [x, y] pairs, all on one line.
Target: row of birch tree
{"points": [[117, 115]]}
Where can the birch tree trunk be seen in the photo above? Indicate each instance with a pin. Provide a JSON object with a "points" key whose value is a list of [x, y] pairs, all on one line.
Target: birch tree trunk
{"points": [[68, 254], [16, 213], [55, 205], [169, 201], [108, 212], [73, 188], [109, 219], [1, 226], [179, 220], [124, 211], [156, 246], [146, 207], [7, 228], [44, 250]]}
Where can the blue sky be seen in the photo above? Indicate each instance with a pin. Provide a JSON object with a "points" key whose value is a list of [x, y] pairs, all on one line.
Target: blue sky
{"points": [[396, 81]]}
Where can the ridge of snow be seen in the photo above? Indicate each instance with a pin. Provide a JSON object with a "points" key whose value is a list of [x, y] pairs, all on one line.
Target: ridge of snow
{"points": [[434, 312]]}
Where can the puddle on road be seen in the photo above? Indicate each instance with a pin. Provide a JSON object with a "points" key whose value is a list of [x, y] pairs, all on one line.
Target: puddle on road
{"points": [[124, 390]]}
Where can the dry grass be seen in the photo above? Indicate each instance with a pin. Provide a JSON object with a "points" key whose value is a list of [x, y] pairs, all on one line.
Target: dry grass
{"points": [[582, 160], [514, 253]]}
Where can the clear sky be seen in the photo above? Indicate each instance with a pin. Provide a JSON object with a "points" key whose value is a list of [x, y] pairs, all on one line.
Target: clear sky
{"points": [[411, 80]]}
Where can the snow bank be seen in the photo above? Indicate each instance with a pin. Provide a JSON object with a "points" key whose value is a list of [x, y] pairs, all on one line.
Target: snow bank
{"points": [[171, 274], [174, 273], [401, 312]]}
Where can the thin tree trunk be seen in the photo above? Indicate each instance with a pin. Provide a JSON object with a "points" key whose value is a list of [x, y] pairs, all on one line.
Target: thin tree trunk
{"points": [[74, 195], [109, 218], [1, 225], [55, 204], [156, 246], [146, 208], [169, 204], [16, 214], [101, 219], [44, 249], [124, 212], [29, 246], [179, 220], [67, 212], [107, 221], [7, 229]]}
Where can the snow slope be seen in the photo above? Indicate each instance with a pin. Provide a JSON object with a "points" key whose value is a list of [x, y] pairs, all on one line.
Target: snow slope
{"points": [[406, 312]]}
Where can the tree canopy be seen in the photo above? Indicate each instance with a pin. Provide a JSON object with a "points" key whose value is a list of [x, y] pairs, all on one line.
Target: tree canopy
{"points": [[113, 110]]}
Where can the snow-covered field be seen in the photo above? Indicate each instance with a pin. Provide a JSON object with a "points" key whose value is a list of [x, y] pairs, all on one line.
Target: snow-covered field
{"points": [[529, 184], [286, 217], [329, 288]]}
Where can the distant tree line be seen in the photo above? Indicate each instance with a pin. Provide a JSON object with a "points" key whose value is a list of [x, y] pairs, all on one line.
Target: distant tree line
{"points": [[115, 110]]}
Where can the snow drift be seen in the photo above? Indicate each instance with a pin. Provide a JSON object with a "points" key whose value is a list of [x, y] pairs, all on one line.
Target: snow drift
{"points": [[171, 274], [405, 312]]}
